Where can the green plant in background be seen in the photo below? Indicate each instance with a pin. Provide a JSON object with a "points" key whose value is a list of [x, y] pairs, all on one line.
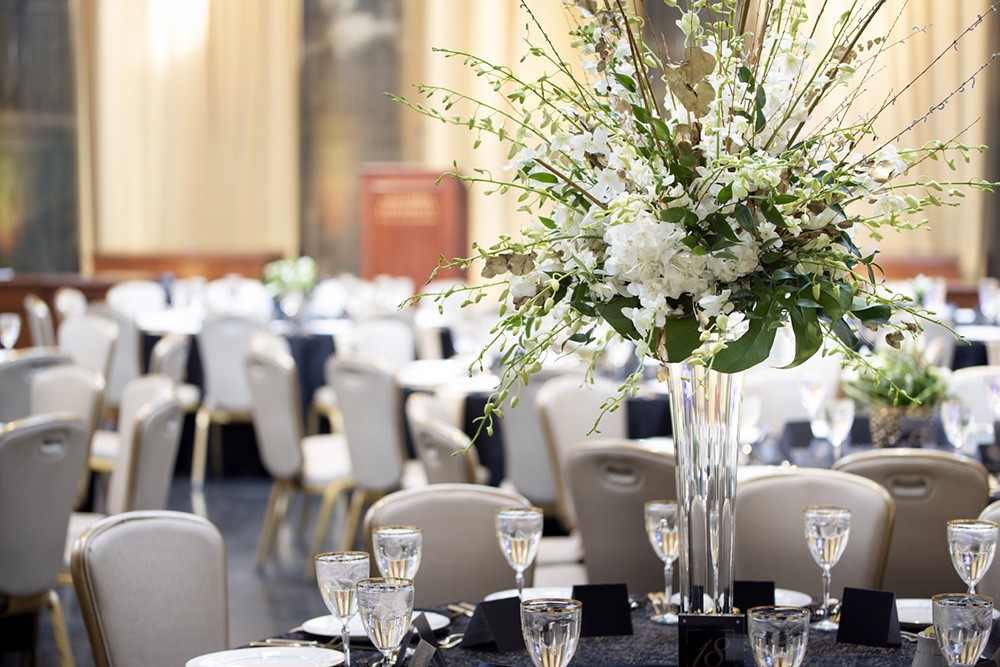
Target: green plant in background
{"points": [[290, 275], [898, 378]]}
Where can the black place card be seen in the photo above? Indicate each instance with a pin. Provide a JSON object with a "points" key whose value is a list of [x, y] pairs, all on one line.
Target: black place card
{"points": [[427, 654], [606, 610], [992, 647], [868, 618], [749, 594], [423, 628], [496, 623], [401, 655], [715, 640]]}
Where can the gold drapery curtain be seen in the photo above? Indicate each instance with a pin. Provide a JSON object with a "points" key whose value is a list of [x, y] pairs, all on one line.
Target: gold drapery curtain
{"points": [[189, 124]]}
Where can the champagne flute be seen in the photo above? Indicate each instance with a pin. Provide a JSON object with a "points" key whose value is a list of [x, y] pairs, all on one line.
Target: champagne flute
{"points": [[551, 629], [972, 544], [962, 626], [661, 529], [955, 420], [518, 530], [840, 419], [397, 550], [827, 530], [386, 606], [338, 574], [778, 635], [10, 329]]}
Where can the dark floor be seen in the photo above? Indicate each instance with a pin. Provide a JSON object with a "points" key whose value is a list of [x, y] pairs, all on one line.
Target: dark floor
{"points": [[261, 604]]}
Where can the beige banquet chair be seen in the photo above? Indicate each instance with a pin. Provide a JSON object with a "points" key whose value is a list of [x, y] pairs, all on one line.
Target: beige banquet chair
{"points": [[770, 542], [610, 481], [971, 386], [126, 361], [41, 458], [316, 465], [930, 488], [106, 446], [39, 318], [461, 558], [69, 302], [990, 583], [169, 356], [89, 340], [570, 409], [16, 372], [135, 297], [152, 588], [445, 450]]}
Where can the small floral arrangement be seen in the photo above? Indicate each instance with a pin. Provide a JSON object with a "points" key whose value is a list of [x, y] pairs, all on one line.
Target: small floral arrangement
{"points": [[898, 378], [291, 275], [699, 220]]}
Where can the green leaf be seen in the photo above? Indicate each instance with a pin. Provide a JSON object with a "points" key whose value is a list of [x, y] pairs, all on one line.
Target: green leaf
{"points": [[549, 223], [627, 82], [725, 194], [783, 199], [808, 334], [746, 76], [844, 333], [749, 350], [760, 121], [681, 337], [745, 219], [544, 177], [720, 225], [611, 312], [874, 314], [640, 114], [673, 214], [772, 214]]}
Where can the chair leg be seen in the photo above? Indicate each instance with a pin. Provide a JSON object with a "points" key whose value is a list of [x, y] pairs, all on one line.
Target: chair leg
{"points": [[199, 452], [358, 497], [312, 420], [330, 495], [63, 644], [307, 502], [268, 530], [216, 449]]}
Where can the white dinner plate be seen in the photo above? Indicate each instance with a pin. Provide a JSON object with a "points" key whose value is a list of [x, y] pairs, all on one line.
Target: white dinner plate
{"points": [[531, 593], [329, 626], [782, 597], [919, 611], [276, 656]]}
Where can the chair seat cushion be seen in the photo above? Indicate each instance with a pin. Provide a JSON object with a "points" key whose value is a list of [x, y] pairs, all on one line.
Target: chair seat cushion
{"points": [[414, 474], [78, 522], [325, 459], [189, 395], [560, 549], [104, 449], [324, 399]]}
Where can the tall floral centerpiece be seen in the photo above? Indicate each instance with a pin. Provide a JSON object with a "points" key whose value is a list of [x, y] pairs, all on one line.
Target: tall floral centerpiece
{"points": [[693, 202]]}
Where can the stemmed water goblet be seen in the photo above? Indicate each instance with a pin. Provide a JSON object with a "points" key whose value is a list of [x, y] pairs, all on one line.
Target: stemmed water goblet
{"points": [[551, 629], [962, 625], [827, 529], [956, 421], [518, 530], [778, 635], [840, 420], [10, 329], [813, 389], [972, 544], [661, 529], [397, 550], [338, 574], [386, 606]]}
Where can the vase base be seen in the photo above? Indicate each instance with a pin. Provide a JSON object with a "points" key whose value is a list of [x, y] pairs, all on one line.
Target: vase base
{"points": [[666, 618]]}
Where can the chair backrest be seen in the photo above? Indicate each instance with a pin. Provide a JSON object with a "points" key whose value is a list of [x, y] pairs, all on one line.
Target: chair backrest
{"points": [[990, 583], [223, 345], [236, 295], [134, 297], [274, 390], [140, 393], [445, 451], [770, 528], [69, 302], [17, 370], [929, 488], [461, 558], [328, 299], [610, 481], [41, 459], [152, 588], [569, 409], [527, 463], [971, 386], [370, 402], [422, 407], [170, 356], [126, 363], [145, 466], [90, 340], [389, 338], [43, 331]]}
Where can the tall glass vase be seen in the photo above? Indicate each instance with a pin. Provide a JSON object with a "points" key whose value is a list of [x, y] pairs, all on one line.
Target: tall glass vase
{"points": [[705, 406]]}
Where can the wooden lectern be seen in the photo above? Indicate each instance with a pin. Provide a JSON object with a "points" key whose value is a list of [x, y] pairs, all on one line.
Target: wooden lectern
{"points": [[409, 221]]}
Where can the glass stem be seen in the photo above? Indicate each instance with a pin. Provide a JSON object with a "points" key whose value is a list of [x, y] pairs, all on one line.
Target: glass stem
{"points": [[519, 578], [826, 593], [345, 636], [972, 589], [668, 582]]}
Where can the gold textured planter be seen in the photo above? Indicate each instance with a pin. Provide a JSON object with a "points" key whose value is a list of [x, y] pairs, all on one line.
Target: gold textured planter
{"points": [[893, 426]]}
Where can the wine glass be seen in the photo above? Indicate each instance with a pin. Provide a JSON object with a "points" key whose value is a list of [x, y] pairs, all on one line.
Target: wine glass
{"points": [[840, 421], [989, 303], [956, 420], [386, 606], [962, 626], [813, 389], [338, 574], [518, 530], [551, 628], [778, 635], [397, 550], [972, 544], [993, 391], [661, 529], [10, 329], [827, 529]]}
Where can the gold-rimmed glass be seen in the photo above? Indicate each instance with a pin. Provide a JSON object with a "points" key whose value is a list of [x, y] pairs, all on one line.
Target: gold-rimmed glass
{"points": [[397, 550], [972, 544], [827, 529], [962, 625], [386, 606], [551, 629], [518, 531], [337, 575], [778, 635], [661, 529]]}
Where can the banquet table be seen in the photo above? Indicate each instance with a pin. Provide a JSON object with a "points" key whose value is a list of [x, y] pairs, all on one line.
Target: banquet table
{"points": [[650, 644]]}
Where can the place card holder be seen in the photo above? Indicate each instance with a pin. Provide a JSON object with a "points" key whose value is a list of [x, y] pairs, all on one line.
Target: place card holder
{"points": [[606, 611], [496, 624], [992, 646], [868, 618], [749, 594], [401, 655], [427, 655], [715, 640]]}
